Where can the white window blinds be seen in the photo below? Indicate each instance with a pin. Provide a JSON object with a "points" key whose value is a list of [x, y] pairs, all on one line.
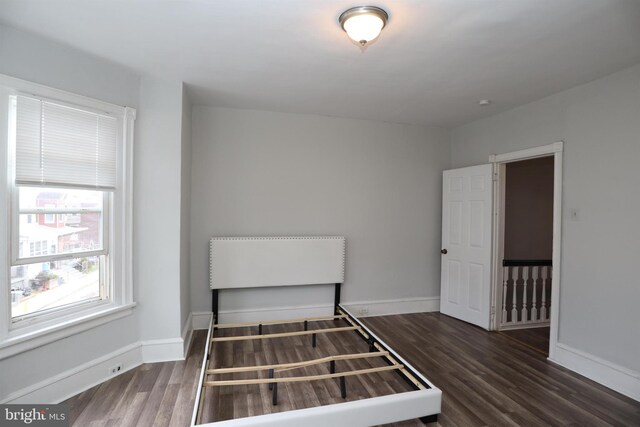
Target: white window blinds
{"points": [[58, 145]]}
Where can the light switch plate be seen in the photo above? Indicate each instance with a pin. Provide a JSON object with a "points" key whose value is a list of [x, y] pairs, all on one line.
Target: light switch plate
{"points": [[574, 214]]}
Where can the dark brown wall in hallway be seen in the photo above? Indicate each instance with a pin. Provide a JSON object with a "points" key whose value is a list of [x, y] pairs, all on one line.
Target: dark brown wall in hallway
{"points": [[529, 209]]}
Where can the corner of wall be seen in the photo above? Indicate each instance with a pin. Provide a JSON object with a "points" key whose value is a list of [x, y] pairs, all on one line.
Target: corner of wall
{"points": [[187, 335]]}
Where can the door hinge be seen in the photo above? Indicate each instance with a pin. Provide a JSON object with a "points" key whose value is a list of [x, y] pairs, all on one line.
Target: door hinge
{"points": [[494, 176], [493, 312]]}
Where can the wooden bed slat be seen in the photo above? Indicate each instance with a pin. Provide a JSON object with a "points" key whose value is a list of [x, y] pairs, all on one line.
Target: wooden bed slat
{"points": [[300, 379], [293, 365]]}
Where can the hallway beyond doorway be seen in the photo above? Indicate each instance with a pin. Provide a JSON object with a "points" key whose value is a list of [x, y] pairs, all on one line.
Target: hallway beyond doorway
{"points": [[535, 338]]}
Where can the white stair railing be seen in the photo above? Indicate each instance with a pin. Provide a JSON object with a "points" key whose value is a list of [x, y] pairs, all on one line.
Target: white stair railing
{"points": [[526, 292]]}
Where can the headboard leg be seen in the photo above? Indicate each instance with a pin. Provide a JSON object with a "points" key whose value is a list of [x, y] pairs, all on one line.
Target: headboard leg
{"points": [[214, 306], [336, 299]]}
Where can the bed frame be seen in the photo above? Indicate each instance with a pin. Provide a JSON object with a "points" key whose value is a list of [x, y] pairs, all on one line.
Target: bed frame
{"points": [[288, 261]]}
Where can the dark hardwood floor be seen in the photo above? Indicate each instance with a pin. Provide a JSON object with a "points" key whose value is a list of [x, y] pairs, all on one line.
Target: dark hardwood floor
{"points": [[536, 338], [487, 379]]}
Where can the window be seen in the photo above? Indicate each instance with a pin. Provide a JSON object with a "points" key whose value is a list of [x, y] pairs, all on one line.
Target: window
{"points": [[73, 271], [38, 248], [49, 219], [68, 198]]}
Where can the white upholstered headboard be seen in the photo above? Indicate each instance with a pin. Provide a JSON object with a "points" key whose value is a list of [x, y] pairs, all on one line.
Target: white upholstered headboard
{"points": [[249, 262]]}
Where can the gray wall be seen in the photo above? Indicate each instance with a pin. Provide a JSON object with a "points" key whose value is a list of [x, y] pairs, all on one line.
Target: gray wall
{"points": [[529, 209], [185, 210], [600, 125], [157, 199], [32, 58], [379, 184], [40, 60]]}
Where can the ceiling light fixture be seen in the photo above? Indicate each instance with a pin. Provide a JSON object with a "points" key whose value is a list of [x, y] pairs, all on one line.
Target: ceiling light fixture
{"points": [[363, 23]]}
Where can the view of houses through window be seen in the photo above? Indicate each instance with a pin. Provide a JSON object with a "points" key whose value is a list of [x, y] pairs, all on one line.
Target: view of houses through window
{"points": [[59, 249]]}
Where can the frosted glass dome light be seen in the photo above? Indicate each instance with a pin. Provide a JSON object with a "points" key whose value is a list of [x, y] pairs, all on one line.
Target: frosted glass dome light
{"points": [[364, 23]]}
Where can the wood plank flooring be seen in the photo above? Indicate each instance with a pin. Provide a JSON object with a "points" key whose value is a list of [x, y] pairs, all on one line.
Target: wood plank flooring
{"points": [[536, 338], [487, 379]]}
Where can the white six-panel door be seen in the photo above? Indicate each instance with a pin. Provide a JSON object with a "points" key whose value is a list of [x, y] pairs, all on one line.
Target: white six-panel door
{"points": [[467, 201]]}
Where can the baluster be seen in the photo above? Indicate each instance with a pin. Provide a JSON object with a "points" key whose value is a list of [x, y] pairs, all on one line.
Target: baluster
{"points": [[550, 270], [505, 281], [525, 278], [535, 275], [514, 310], [543, 303]]}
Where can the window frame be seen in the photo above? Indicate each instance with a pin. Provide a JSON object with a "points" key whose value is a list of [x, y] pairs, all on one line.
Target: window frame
{"points": [[40, 328]]}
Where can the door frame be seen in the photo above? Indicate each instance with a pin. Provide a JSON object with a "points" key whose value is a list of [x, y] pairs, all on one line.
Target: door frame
{"points": [[499, 162]]}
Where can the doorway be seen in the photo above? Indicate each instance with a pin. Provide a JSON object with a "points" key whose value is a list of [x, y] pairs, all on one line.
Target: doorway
{"points": [[472, 288], [526, 245], [526, 204]]}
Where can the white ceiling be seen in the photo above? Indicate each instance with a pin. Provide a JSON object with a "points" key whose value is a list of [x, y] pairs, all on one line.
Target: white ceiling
{"points": [[432, 64]]}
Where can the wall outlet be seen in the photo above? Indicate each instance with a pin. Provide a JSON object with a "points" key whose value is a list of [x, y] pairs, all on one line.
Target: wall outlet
{"points": [[363, 311], [115, 370]]}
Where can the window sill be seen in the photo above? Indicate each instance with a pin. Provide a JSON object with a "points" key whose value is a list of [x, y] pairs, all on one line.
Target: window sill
{"points": [[21, 342]]}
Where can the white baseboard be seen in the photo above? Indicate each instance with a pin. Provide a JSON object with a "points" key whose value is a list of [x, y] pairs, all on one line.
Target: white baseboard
{"points": [[187, 335], [69, 383], [508, 327], [164, 350], [397, 306], [616, 377], [373, 308]]}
